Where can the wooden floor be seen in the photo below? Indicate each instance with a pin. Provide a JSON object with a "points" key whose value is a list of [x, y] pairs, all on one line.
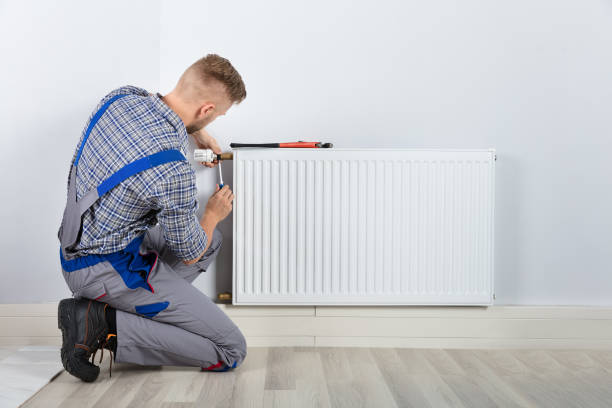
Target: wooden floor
{"points": [[353, 377]]}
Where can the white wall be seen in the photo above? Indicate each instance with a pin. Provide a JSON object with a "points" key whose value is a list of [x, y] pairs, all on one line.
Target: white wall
{"points": [[530, 78], [58, 60]]}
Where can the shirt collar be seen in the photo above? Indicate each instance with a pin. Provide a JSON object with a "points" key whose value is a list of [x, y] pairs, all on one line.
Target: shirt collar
{"points": [[171, 117]]}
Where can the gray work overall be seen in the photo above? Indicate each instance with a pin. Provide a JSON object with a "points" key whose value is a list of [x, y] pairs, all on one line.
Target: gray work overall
{"points": [[162, 319]]}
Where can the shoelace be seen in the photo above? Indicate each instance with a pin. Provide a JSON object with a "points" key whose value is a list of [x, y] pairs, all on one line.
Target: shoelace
{"points": [[101, 346]]}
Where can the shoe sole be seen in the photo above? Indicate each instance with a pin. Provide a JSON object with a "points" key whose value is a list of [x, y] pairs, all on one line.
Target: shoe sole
{"points": [[73, 359]]}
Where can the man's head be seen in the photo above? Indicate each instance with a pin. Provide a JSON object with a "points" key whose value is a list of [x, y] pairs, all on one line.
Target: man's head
{"points": [[207, 89]]}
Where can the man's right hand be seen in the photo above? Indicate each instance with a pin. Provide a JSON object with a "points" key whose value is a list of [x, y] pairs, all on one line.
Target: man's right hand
{"points": [[219, 205]]}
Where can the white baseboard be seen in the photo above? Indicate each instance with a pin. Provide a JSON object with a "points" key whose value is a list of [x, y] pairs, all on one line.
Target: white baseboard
{"points": [[377, 326]]}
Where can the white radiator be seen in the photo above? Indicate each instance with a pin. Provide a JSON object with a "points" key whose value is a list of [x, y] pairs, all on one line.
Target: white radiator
{"points": [[363, 226]]}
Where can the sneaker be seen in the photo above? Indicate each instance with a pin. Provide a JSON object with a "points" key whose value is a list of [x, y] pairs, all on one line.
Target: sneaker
{"points": [[84, 331], [220, 366]]}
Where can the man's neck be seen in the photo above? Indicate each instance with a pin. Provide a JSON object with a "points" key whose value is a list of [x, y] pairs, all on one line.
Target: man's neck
{"points": [[175, 104]]}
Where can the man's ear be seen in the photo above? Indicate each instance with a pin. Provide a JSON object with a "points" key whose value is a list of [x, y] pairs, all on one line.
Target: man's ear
{"points": [[205, 110]]}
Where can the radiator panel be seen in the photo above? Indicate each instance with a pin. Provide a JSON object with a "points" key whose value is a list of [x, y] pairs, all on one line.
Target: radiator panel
{"points": [[356, 226]]}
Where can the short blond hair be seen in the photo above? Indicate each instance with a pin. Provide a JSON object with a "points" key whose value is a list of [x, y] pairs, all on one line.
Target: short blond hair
{"points": [[215, 67]]}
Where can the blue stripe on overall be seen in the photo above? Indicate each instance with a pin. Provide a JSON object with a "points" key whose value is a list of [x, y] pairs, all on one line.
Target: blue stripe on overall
{"points": [[133, 267]]}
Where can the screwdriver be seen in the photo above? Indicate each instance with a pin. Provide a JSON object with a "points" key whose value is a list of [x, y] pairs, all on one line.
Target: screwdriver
{"points": [[220, 176], [208, 156]]}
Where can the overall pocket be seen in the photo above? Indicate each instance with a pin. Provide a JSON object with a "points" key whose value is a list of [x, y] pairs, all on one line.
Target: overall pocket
{"points": [[94, 291]]}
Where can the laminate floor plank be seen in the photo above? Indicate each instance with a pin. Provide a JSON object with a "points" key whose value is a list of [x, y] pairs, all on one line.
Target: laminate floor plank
{"points": [[280, 371], [123, 391], [311, 389], [250, 379], [537, 380], [326, 377], [486, 381], [368, 380], [423, 379], [85, 395], [185, 386], [53, 395], [280, 399], [339, 378], [405, 390], [602, 357], [218, 389], [463, 384], [589, 383]]}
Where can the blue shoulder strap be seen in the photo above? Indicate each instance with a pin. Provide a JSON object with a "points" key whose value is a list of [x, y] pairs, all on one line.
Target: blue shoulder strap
{"points": [[137, 166], [72, 221], [126, 171], [93, 122]]}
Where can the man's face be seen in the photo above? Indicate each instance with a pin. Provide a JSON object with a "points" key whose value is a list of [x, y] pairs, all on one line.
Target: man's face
{"points": [[220, 106]]}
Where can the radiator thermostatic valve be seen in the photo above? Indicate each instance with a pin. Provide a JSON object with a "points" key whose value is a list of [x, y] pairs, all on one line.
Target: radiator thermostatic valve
{"points": [[208, 156]]}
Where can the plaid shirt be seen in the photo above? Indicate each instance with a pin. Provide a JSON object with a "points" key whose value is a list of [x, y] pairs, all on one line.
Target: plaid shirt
{"points": [[133, 127]]}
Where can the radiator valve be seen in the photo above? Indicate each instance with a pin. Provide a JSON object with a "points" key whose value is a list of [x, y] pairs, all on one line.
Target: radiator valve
{"points": [[225, 296], [208, 156]]}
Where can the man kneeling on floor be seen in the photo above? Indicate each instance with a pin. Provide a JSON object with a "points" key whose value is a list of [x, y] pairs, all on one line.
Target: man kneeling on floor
{"points": [[130, 241]]}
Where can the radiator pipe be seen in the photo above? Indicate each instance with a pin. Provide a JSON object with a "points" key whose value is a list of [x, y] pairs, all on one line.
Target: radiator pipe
{"points": [[225, 156]]}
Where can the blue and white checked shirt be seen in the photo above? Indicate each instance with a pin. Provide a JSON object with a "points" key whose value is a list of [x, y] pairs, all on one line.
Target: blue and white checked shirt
{"points": [[133, 127]]}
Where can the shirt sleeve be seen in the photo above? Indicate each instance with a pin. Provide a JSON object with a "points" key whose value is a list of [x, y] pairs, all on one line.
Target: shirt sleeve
{"points": [[176, 196]]}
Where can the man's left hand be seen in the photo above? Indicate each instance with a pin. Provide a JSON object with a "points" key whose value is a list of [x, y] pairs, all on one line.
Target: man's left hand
{"points": [[205, 141]]}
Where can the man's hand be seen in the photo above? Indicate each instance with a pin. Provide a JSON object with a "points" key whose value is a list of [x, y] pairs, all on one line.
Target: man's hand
{"points": [[218, 207], [205, 141]]}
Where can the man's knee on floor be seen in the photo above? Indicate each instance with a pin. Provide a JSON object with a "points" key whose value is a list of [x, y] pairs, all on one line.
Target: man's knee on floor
{"points": [[235, 346]]}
